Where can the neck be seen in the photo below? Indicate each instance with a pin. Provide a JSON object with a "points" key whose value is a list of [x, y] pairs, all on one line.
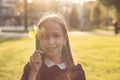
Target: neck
{"points": [[56, 59]]}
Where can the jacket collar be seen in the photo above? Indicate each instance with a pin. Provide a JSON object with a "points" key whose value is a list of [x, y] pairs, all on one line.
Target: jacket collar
{"points": [[50, 63]]}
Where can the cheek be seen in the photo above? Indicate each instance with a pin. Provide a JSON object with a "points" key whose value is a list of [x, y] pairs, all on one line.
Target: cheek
{"points": [[61, 42], [42, 45]]}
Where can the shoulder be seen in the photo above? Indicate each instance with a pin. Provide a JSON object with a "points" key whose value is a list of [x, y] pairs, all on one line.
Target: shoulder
{"points": [[26, 72], [27, 67], [77, 67], [78, 71]]}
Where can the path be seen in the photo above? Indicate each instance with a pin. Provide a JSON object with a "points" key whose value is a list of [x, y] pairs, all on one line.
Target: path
{"points": [[14, 34]]}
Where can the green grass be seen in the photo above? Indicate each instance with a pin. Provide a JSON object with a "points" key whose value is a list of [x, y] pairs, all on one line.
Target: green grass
{"points": [[99, 28], [14, 53], [98, 54]]}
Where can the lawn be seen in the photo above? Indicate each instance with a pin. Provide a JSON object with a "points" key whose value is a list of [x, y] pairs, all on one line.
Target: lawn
{"points": [[98, 54]]}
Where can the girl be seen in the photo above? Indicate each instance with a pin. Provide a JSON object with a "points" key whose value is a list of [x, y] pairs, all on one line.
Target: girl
{"points": [[52, 60]]}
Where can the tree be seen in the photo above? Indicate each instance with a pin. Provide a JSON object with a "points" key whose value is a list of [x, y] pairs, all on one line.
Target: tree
{"points": [[99, 14], [73, 17], [114, 6]]}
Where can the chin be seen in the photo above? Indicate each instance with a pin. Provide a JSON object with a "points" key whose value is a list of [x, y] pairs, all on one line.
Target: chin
{"points": [[52, 55]]}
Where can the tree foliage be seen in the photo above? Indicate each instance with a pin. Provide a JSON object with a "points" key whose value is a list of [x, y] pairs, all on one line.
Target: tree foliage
{"points": [[74, 17], [98, 14], [108, 3], [114, 6], [37, 7]]}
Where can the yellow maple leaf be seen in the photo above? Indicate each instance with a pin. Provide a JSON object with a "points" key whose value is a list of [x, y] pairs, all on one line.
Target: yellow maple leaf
{"points": [[37, 32], [33, 32], [40, 32]]}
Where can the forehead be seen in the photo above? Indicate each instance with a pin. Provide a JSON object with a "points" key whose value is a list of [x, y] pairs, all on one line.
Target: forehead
{"points": [[51, 26]]}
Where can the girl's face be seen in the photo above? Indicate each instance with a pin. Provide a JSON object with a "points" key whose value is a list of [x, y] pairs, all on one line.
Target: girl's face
{"points": [[53, 40]]}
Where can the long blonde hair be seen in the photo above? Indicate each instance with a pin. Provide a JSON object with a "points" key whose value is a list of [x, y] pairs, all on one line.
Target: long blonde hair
{"points": [[58, 18], [66, 51]]}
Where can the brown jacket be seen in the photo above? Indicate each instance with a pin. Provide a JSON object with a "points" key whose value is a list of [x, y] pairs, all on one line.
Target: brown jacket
{"points": [[55, 73]]}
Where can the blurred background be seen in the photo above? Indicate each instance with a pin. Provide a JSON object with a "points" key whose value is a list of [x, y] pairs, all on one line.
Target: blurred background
{"points": [[94, 35], [81, 14]]}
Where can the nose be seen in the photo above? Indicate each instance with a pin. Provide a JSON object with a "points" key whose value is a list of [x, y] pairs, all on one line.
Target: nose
{"points": [[51, 40]]}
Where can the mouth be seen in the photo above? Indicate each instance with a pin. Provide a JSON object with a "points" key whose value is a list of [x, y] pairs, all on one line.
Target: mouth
{"points": [[51, 48]]}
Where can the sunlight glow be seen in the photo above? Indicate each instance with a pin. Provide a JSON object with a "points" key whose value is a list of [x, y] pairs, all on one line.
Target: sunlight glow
{"points": [[80, 1], [29, 1]]}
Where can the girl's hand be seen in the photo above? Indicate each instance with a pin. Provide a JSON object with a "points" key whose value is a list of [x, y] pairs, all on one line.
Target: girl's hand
{"points": [[36, 60]]}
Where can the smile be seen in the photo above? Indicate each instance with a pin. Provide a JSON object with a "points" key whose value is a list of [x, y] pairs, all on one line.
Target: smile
{"points": [[51, 48]]}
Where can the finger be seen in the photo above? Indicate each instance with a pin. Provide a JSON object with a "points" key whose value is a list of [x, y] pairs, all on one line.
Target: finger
{"points": [[35, 61], [39, 51], [35, 66], [35, 58], [36, 55]]}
